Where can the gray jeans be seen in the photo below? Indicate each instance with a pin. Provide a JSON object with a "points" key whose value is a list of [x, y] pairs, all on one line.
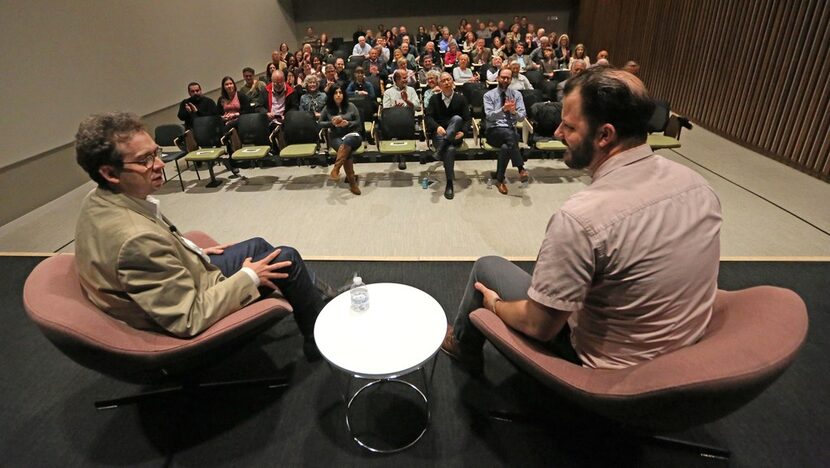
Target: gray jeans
{"points": [[511, 284]]}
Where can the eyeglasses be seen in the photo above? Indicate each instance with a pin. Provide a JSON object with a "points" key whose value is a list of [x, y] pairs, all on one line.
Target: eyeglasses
{"points": [[148, 160]]}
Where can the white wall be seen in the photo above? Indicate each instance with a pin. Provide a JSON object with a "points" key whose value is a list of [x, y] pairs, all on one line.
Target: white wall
{"points": [[63, 60]]}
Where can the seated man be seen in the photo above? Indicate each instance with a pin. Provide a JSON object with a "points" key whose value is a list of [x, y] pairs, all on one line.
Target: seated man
{"points": [[401, 95], [628, 267], [406, 51], [519, 57], [577, 70], [447, 116], [281, 98], [361, 87], [330, 79], [421, 75], [480, 55], [361, 48], [196, 105], [340, 69], [136, 266], [429, 51], [376, 60], [503, 107], [254, 89], [519, 81]]}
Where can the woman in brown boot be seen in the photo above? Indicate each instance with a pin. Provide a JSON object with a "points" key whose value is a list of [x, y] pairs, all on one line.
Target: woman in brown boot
{"points": [[342, 120]]}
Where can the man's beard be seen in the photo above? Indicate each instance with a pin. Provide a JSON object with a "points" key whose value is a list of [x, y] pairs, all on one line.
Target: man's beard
{"points": [[580, 156]]}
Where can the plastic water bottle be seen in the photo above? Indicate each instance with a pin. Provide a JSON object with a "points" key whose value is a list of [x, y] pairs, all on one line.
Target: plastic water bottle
{"points": [[360, 295]]}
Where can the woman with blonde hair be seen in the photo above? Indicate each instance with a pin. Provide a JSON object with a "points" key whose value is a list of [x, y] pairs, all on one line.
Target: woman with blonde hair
{"points": [[580, 55], [563, 52]]}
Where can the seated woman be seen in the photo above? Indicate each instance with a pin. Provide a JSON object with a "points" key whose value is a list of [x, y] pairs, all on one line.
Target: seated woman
{"points": [[342, 120], [431, 87], [563, 52], [579, 55], [313, 100], [548, 64], [451, 56], [324, 49], [230, 103], [376, 80], [284, 51], [295, 77], [270, 68], [469, 42], [360, 87], [463, 73], [498, 48]]}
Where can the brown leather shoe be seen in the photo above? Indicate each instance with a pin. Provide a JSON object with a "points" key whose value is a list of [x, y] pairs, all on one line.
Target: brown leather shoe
{"points": [[502, 187], [524, 176], [473, 362], [351, 178]]}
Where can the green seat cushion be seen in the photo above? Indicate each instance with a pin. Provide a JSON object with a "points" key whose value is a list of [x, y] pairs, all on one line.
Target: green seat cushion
{"points": [[251, 152], [487, 147], [551, 145], [397, 147], [205, 154], [357, 152], [300, 150], [658, 141]]}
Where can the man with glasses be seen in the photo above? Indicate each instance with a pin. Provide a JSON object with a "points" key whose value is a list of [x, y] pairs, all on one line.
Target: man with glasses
{"points": [[196, 105], [134, 263], [504, 107]]}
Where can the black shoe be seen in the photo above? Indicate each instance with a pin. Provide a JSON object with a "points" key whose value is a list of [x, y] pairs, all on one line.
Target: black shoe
{"points": [[402, 164], [448, 192], [312, 353], [424, 158]]}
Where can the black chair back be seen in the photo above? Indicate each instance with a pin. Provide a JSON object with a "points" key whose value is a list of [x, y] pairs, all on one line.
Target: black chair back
{"points": [[355, 61], [474, 92], [548, 89], [547, 117], [165, 134], [660, 118], [253, 129], [300, 127], [561, 75], [397, 123], [535, 77], [208, 131], [367, 107], [531, 97]]}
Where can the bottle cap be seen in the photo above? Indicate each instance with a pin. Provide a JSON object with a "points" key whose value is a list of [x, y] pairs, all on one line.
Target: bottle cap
{"points": [[358, 279]]}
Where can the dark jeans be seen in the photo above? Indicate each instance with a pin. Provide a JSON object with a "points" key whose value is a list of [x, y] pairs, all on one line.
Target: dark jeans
{"points": [[352, 141], [298, 288], [506, 139], [511, 284], [445, 146]]}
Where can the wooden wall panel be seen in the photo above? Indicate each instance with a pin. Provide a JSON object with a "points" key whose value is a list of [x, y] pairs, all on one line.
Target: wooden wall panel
{"points": [[754, 71]]}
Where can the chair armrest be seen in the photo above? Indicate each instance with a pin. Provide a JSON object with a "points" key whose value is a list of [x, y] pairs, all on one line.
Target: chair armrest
{"points": [[185, 141], [527, 130], [202, 239]]}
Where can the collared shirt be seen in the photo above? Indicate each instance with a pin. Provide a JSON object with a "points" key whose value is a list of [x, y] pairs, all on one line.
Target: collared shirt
{"points": [[496, 117], [447, 99], [358, 50], [153, 205], [634, 257], [278, 103], [392, 98]]}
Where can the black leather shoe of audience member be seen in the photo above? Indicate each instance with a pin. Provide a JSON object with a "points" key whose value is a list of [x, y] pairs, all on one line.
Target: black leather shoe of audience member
{"points": [[448, 192], [312, 353], [402, 163]]}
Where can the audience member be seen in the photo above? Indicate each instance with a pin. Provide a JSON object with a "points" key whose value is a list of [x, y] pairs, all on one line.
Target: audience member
{"points": [[577, 70], [361, 87], [523, 60], [313, 100], [483, 32], [136, 266], [276, 59], [406, 52], [340, 70], [403, 67], [498, 48], [447, 116], [463, 73], [429, 51], [231, 103], [445, 41], [519, 81], [421, 74], [361, 48], [492, 73], [452, 55], [401, 95], [254, 90], [421, 38], [580, 56], [281, 98], [563, 52], [548, 65], [602, 54], [504, 107], [538, 53], [269, 70], [376, 80], [342, 121], [628, 267], [330, 79], [311, 39], [431, 86], [632, 67], [196, 105], [480, 55], [468, 43]]}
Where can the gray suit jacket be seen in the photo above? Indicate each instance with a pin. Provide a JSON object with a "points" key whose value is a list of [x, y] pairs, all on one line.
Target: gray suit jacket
{"points": [[134, 267]]}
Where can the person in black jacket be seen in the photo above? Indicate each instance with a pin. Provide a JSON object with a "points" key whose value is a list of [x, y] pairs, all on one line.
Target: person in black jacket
{"points": [[232, 103], [447, 116], [196, 105]]}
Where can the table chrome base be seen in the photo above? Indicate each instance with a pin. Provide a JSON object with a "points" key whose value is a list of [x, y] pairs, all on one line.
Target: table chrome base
{"points": [[365, 445]]}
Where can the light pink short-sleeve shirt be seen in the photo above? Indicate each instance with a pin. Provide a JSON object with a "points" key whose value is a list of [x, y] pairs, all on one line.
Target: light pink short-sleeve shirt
{"points": [[634, 257]]}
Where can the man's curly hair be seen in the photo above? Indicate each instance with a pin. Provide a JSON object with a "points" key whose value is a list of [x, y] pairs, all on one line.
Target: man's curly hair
{"points": [[97, 139]]}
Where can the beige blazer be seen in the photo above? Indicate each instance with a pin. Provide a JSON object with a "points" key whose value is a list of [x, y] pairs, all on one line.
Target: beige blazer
{"points": [[135, 268]]}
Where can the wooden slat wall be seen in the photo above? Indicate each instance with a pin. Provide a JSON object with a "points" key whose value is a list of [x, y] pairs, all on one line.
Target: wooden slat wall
{"points": [[754, 71]]}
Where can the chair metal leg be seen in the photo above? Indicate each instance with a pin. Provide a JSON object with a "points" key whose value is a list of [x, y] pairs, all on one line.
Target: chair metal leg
{"points": [[178, 169], [214, 182], [268, 383], [704, 450]]}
